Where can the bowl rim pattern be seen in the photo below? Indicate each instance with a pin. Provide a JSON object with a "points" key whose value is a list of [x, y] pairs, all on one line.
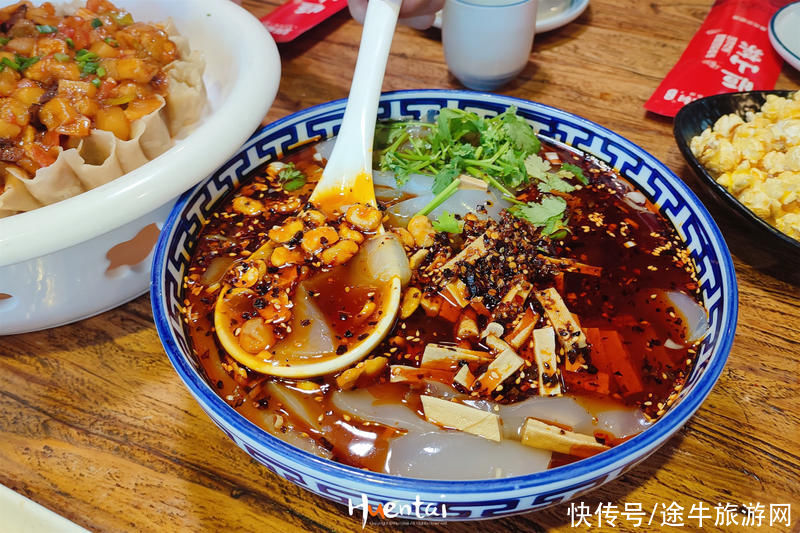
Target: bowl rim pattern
{"points": [[611, 462]]}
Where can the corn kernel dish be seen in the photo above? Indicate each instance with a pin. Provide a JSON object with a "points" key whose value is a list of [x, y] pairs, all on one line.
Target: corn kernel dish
{"points": [[757, 159], [86, 97]]}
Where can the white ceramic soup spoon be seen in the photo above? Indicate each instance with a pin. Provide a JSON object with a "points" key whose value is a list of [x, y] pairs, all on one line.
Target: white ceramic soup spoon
{"points": [[347, 180]]}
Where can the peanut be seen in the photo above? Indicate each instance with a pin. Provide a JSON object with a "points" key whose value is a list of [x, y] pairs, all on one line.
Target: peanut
{"points": [[318, 238], [364, 217], [339, 253], [349, 234], [411, 300], [247, 206], [285, 233], [282, 256], [405, 237], [256, 336], [312, 217], [422, 231]]}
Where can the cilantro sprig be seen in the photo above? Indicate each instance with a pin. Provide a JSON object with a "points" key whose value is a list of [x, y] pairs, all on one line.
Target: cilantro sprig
{"points": [[501, 150], [291, 178], [447, 222]]}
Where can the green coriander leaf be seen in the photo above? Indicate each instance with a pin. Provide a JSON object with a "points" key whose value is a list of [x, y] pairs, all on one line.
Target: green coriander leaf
{"points": [[464, 150], [519, 131], [4, 41], [46, 28], [23, 62], [444, 178], [555, 182], [540, 213], [401, 174], [576, 171], [96, 23], [453, 124], [536, 167], [555, 227], [447, 222], [291, 178]]}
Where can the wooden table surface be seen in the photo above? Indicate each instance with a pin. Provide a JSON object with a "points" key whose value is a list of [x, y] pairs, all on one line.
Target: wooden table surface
{"points": [[96, 425]]}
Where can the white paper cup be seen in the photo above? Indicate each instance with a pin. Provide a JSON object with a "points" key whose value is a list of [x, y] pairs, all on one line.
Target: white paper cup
{"points": [[487, 42]]}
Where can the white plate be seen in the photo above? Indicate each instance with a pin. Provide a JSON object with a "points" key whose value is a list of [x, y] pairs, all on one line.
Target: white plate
{"points": [[55, 264], [21, 515], [784, 33], [550, 15]]}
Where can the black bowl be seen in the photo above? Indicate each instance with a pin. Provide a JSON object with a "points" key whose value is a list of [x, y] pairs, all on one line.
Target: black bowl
{"points": [[772, 244]]}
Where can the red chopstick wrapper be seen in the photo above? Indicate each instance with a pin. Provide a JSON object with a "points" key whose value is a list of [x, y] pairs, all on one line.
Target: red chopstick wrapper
{"points": [[730, 52], [298, 16]]}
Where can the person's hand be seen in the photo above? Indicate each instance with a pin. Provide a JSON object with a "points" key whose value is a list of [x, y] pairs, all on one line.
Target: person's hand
{"points": [[419, 14]]}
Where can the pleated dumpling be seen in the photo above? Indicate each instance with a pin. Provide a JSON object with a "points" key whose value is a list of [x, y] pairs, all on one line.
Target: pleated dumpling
{"points": [[14, 196]]}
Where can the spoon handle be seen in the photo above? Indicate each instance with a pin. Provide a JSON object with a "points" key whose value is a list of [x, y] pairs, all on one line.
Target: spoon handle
{"points": [[348, 172]]}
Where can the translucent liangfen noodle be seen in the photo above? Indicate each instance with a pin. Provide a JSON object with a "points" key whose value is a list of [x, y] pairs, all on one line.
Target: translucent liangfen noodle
{"points": [[427, 451]]}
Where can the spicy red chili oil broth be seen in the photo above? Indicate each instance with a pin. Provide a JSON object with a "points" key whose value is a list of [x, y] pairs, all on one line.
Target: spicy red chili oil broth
{"points": [[617, 300]]}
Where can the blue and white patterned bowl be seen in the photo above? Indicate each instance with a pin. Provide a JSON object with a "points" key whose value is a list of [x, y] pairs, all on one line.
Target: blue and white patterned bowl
{"points": [[463, 500]]}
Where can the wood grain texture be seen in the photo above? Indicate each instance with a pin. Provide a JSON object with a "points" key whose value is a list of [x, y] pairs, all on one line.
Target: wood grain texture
{"points": [[96, 425]]}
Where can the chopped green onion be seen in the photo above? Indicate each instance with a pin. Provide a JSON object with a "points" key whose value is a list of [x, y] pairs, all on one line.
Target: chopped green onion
{"points": [[6, 62], [61, 58], [21, 62], [4, 41], [96, 23], [46, 28], [111, 42], [101, 72], [96, 82], [70, 42]]}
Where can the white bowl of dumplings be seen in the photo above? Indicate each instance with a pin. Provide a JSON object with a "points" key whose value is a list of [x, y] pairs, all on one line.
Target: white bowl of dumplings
{"points": [[89, 247]]}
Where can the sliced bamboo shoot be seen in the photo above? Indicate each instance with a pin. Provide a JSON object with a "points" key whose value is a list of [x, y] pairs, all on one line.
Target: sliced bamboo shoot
{"points": [[462, 417], [569, 333], [464, 377], [523, 329], [467, 327], [544, 348], [471, 253], [504, 366], [458, 292], [412, 374], [518, 293], [471, 183], [493, 328], [538, 434], [570, 265], [438, 355]]}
